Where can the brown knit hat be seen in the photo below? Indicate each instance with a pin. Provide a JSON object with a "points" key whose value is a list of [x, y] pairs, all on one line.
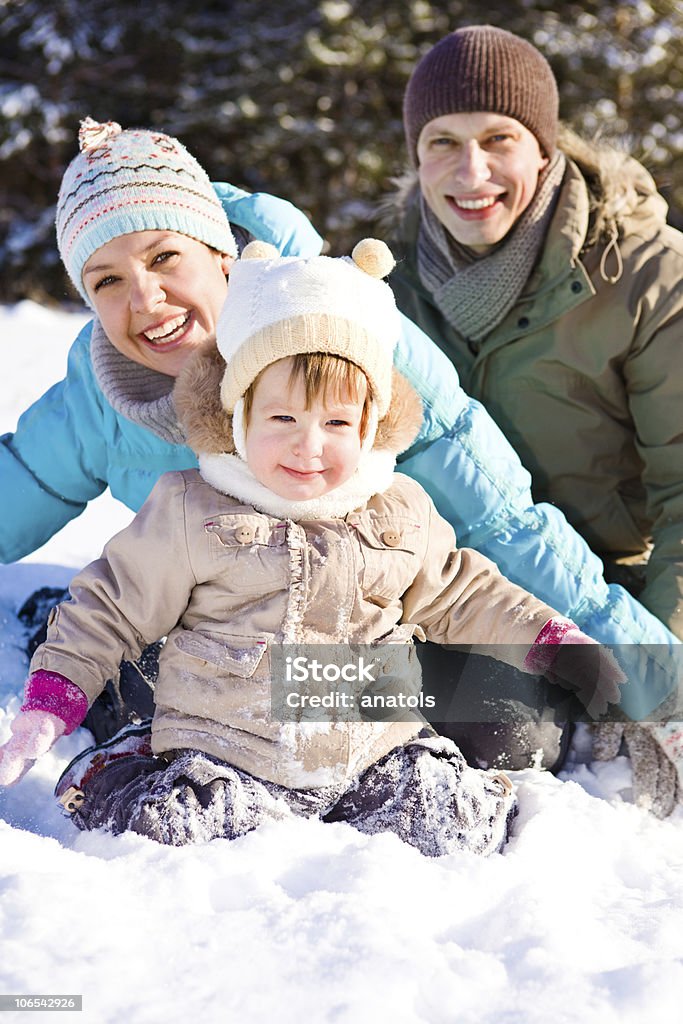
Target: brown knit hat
{"points": [[483, 68]]}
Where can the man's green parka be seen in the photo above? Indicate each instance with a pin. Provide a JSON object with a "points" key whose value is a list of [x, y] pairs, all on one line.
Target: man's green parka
{"points": [[584, 374]]}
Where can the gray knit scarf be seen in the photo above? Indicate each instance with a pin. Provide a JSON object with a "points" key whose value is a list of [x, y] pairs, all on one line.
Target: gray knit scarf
{"points": [[141, 395], [474, 292]]}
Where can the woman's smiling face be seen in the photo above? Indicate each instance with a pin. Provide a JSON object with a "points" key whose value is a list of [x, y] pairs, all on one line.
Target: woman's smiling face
{"points": [[158, 295]]}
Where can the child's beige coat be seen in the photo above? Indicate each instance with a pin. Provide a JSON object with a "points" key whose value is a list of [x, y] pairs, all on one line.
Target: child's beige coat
{"points": [[226, 582]]}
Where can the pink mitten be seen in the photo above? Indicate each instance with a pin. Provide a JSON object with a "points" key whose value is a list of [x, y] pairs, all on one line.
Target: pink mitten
{"points": [[33, 733], [575, 661], [53, 706]]}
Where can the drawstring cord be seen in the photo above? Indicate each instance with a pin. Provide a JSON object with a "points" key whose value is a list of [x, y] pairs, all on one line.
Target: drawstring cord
{"points": [[612, 246]]}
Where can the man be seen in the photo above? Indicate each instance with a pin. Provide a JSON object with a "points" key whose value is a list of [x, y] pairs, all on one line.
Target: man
{"points": [[543, 266]]}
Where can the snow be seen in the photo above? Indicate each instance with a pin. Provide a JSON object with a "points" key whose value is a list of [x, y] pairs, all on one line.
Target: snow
{"points": [[581, 919]]}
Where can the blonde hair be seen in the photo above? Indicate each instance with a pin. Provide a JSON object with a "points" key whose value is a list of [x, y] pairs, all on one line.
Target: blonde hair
{"points": [[322, 374]]}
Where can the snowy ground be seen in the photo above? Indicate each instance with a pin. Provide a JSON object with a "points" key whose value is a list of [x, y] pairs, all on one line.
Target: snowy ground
{"points": [[580, 920]]}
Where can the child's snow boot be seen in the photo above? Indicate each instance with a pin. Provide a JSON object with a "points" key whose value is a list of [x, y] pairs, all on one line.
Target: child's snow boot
{"points": [[132, 739]]}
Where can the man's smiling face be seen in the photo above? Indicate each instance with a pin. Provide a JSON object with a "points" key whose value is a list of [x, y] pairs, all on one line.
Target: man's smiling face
{"points": [[478, 173]]}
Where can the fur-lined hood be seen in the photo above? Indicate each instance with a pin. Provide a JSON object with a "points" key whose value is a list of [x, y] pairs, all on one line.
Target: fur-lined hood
{"points": [[208, 427], [619, 187]]}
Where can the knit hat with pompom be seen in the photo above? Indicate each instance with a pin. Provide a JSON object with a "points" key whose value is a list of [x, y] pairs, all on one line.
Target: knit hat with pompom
{"points": [[133, 180], [283, 306]]}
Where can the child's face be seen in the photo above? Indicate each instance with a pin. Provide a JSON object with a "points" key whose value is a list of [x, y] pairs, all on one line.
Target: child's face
{"points": [[158, 295], [296, 452]]}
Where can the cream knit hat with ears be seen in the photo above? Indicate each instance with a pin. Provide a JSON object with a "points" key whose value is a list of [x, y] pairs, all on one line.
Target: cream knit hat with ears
{"points": [[282, 306]]}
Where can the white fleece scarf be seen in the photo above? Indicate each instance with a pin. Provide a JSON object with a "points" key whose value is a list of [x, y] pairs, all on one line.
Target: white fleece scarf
{"points": [[230, 475]]}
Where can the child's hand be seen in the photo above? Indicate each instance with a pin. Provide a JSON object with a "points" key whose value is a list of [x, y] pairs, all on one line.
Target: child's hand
{"points": [[576, 662], [33, 733]]}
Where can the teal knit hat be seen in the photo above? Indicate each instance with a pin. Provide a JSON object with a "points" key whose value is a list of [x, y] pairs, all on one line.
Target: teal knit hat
{"points": [[133, 180]]}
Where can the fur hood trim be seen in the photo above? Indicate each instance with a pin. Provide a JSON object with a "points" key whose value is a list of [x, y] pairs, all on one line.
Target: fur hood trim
{"points": [[208, 427], [619, 187]]}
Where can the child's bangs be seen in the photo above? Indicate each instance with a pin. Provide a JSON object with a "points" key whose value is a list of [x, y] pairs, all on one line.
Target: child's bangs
{"points": [[328, 376], [334, 378]]}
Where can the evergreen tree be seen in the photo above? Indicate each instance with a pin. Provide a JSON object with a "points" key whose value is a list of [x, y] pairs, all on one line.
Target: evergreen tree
{"points": [[300, 99]]}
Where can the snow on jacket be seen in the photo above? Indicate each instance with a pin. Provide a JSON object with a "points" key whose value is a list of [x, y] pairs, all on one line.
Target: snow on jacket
{"points": [[227, 583], [581, 373], [71, 444]]}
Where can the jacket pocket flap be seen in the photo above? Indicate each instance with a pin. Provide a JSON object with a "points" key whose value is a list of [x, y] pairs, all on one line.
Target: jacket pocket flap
{"points": [[240, 656], [242, 529], [388, 533], [403, 633]]}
